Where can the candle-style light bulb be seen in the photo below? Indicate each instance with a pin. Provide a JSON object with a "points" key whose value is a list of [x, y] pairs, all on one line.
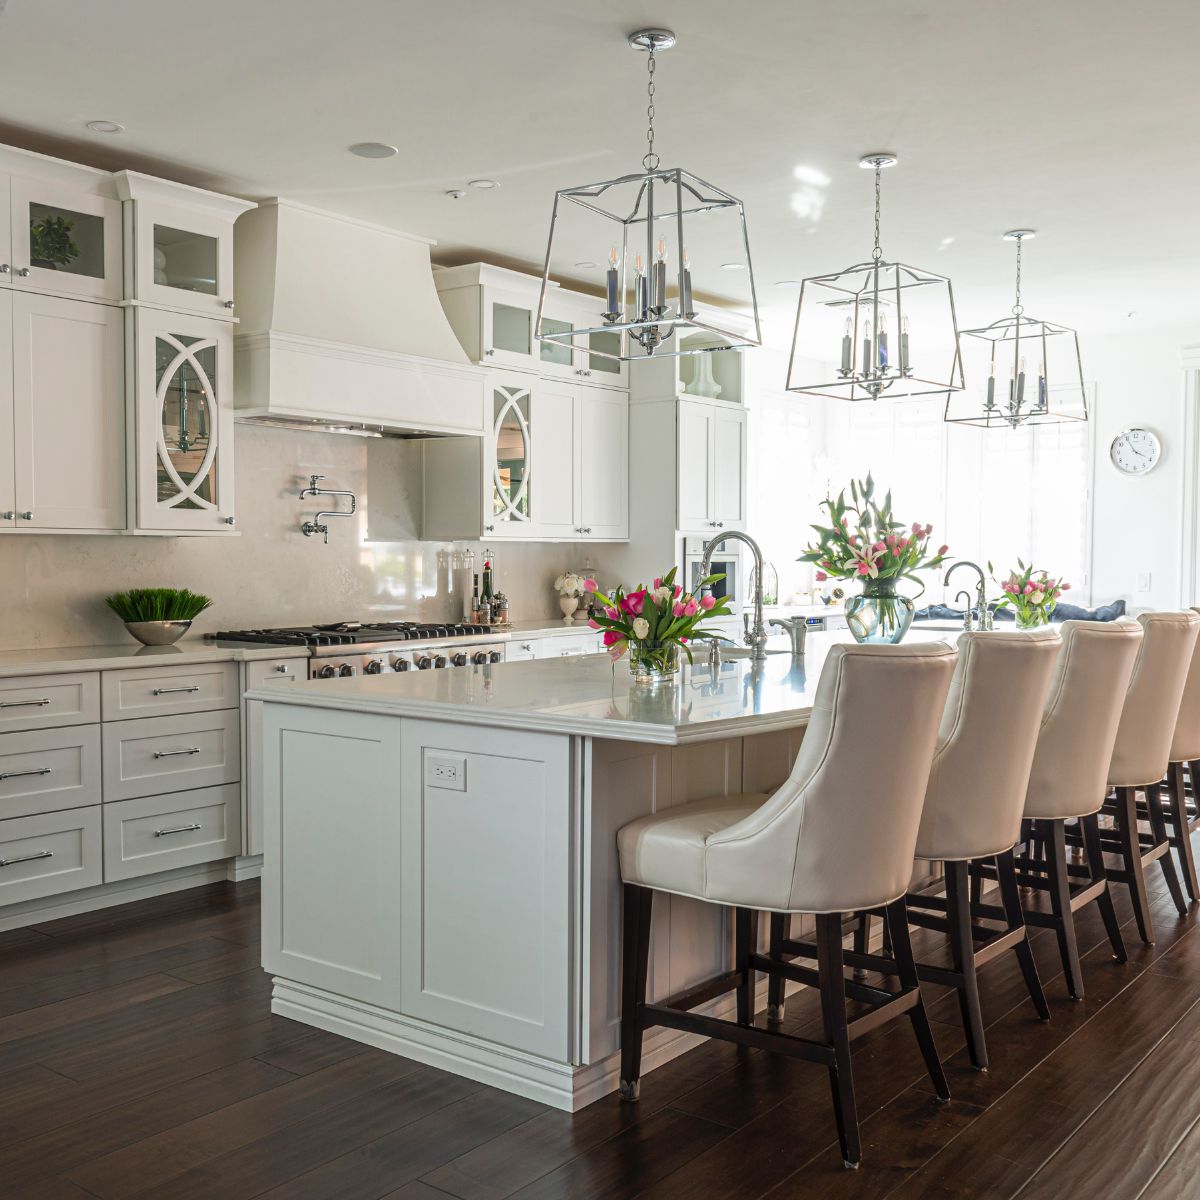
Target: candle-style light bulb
{"points": [[660, 275], [685, 291], [991, 386], [882, 344], [866, 349], [611, 291], [642, 285], [847, 333], [1021, 382], [904, 347], [662, 249], [1043, 397]]}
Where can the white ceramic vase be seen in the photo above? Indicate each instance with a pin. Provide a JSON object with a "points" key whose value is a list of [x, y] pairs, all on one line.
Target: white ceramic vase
{"points": [[569, 605], [703, 383]]}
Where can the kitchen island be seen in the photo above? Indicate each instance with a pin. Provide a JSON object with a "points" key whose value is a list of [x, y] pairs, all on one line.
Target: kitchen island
{"points": [[440, 874]]}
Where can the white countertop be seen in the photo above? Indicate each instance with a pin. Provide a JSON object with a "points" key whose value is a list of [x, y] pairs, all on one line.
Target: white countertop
{"points": [[585, 695], [54, 659]]}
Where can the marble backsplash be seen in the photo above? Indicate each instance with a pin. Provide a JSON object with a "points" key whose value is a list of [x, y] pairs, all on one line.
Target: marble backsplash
{"points": [[52, 587]]}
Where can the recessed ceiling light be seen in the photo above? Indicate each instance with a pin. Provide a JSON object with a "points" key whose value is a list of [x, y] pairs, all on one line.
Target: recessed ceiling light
{"points": [[484, 185], [456, 193], [105, 127], [587, 266], [372, 150], [733, 266]]}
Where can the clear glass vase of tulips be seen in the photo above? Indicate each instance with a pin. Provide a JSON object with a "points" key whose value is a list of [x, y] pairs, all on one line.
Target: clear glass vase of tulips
{"points": [[656, 625], [1031, 593]]}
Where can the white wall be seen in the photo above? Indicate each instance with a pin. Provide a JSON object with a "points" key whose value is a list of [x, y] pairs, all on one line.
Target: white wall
{"points": [[52, 587]]}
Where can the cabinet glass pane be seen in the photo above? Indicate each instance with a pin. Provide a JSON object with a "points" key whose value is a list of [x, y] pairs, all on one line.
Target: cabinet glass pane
{"points": [[183, 259], [63, 240], [185, 368], [511, 328], [510, 494], [609, 343], [555, 352]]}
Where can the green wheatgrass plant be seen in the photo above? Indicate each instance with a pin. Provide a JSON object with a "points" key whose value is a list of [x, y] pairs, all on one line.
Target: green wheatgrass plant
{"points": [[157, 604]]}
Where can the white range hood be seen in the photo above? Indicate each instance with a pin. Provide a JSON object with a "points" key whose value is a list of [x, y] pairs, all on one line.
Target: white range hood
{"points": [[340, 329]]}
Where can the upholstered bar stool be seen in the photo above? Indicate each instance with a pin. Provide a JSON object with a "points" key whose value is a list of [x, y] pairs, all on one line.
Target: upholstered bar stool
{"points": [[1185, 754], [973, 807], [1068, 778], [1140, 757], [836, 838]]}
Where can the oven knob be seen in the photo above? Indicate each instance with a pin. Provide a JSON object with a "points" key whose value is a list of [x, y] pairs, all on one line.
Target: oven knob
{"points": [[424, 662], [459, 660], [495, 656], [479, 657], [326, 673], [345, 669], [401, 664], [374, 667], [440, 661]]}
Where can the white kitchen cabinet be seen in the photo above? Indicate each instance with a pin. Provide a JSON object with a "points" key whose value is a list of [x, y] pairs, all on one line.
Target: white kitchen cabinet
{"points": [[179, 244], [554, 467], [182, 385], [65, 240], [711, 446], [62, 414]]}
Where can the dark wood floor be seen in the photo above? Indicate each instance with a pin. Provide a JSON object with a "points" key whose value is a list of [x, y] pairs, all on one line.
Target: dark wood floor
{"points": [[138, 1059]]}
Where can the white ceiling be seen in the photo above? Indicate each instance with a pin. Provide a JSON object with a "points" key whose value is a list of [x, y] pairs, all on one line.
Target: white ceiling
{"points": [[1075, 117]]}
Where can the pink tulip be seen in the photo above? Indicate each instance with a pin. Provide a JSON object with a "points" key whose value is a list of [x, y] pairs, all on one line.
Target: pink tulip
{"points": [[820, 577], [683, 641], [863, 569], [707, 601], [895, 551], [678, 590], [1029, 589], [879, 547], [589, 585], [593, 623], [611, 613], [854, 539], [1066, 587], [678, 609], [691, 608], [928, 530], [942, 549], [902, 543], [890, 539], [657, 582], [634, 603], [612, 637]]}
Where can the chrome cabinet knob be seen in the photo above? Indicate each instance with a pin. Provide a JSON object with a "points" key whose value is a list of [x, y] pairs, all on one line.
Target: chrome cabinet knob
{"points": [[489, 529], [489, 353], [229, 520], [7, 516], [4, 268], [282, 668], [27, 516], [23, 272], [587, 529], [227, 304]]}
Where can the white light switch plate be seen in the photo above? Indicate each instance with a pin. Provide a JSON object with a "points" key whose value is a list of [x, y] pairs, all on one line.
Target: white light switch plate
{"points": [[447, 771], [1143, 581]]}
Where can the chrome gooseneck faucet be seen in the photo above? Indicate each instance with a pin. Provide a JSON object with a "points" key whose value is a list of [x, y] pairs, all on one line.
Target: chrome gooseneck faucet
{"points": [[756, 637], [316, 525], [983, 615]]}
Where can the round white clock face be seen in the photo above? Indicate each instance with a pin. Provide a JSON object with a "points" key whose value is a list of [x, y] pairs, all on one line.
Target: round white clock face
{"points": [[1135, 451]]}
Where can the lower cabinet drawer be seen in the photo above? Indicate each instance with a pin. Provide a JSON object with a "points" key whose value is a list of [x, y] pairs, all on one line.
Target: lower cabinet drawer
{"points": [[153, 755], [46, 770], [50, 853], [158, 833]]}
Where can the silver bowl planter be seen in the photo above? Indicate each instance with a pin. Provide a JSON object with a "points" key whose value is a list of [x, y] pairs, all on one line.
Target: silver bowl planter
{"points": [[158, 633]]}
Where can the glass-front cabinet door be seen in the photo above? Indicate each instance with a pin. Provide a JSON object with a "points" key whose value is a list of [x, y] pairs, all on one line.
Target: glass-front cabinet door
{"points": [[64, 242], [183, 260], [185, 423], [510, 508]]}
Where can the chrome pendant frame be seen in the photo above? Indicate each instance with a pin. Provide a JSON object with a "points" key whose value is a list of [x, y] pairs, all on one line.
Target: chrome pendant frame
{"points": [[653, 330]]}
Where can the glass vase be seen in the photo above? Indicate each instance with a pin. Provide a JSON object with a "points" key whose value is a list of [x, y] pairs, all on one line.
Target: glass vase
{"points": [[880, 614], [1031, 618], [652, 662]]}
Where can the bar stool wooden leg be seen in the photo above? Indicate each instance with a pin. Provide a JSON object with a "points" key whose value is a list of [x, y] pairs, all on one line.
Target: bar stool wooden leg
{"points": [[1158, 826], [635, 966], [1131, 852], [745, 944], [896, 924], [1176, 811], [775, 983], [831, 968], [962, 949], [1054, 835], [1104, 901], [1010, 898]]}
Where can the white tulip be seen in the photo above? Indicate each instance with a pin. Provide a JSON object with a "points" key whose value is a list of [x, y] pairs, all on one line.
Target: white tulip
{"points": [[641, 628]]}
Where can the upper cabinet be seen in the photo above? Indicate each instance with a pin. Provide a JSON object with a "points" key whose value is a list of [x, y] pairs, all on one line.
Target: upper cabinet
{"points": [[179, 245], [711, 446], [719, 376], [493, 312]]}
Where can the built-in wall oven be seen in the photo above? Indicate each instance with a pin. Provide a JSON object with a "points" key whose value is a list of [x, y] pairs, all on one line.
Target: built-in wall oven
{"points": [[725, 561]]}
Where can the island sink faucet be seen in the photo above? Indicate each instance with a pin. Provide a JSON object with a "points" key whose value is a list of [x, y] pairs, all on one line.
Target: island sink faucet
{"points": [[756, 637], [316, 525], [983, 615]]}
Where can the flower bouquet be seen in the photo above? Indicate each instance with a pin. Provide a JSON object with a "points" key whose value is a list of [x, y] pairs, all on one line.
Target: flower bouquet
{"points": [[570, 587], [1031, 594], [654, 623], [863, 540]]}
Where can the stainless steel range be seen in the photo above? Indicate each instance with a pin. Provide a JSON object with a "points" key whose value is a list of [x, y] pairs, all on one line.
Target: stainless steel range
{"points": [[358, 648]]}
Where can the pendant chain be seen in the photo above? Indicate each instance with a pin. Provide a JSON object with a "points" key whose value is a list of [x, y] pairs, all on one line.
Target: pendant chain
{"points": [[650, 160], [1018, 308], [877, 253]]}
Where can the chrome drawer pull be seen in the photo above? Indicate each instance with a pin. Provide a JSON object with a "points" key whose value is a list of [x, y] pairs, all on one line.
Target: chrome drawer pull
{"points": [[177, 829], [176, 753], [12, 862], [19, 774], [25, 703], [192, 687]]}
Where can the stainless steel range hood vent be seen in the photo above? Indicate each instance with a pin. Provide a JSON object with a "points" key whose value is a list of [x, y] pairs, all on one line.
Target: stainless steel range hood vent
{"points": [[341, 330]]}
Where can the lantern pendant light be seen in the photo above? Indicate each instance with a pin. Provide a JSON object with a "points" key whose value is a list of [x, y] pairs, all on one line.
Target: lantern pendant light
{"points": [[652, 230], [1033, 372], [877, 328]]}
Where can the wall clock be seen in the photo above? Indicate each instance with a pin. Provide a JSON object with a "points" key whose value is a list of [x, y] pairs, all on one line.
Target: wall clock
{"points": [[1135, 451]]}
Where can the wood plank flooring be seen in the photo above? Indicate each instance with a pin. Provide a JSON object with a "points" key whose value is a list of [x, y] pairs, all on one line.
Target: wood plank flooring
{"points": [[139, 1061]]}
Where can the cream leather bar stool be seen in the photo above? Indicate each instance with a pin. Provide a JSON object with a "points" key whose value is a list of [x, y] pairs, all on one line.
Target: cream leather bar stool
{"points": [[1185, 752], [1140, 756], [836, 838], [973, 807]]}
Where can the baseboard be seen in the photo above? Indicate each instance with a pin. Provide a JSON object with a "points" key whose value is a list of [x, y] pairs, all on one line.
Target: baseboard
{"points": [[245, 866], [107, 895]]}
